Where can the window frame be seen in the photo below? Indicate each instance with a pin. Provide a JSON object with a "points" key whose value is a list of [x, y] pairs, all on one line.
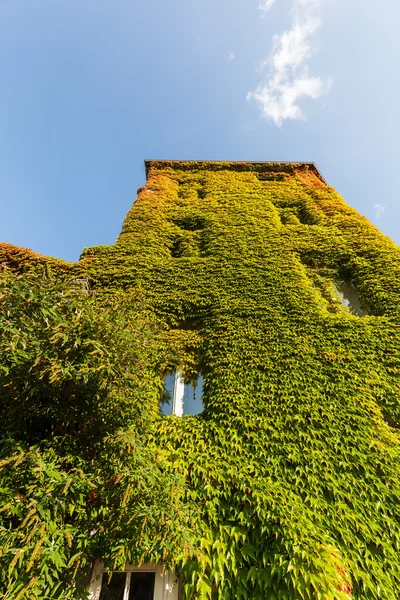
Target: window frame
{"points": [[166, 585], [178, 395]]}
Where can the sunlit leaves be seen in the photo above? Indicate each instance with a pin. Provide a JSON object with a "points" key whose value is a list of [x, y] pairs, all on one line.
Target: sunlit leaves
{"points": [[287, 486]]}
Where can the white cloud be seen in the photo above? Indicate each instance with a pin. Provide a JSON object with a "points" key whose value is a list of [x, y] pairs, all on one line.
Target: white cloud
{"points": [[231, 56], [266, 4], [379, 210], [288, 79]]}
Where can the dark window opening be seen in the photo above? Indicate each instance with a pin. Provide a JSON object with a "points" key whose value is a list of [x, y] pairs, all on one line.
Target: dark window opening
{"points": [[142, 585], [305, 217], [201, 192], [185, 245], [114, 588], [188, 240], [190, 223], [139, 584], [288, 217]]}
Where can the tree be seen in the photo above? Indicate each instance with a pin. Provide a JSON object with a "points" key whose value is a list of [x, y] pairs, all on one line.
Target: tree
{"points": [[77, 480]]}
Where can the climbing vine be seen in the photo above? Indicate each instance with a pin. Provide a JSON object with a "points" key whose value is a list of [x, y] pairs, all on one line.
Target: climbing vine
{"points": [[289, 479]]}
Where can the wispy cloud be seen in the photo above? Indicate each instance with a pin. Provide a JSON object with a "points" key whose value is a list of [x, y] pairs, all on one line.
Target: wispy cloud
{"points": [[379, 210], [266, 4], [288, 79], [231, 56]]}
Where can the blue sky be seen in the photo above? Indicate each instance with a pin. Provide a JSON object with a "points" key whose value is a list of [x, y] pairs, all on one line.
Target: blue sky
{"points": [[91, 88]]}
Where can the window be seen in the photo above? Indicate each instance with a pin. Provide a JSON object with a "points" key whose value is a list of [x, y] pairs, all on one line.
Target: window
{"points": [[182, 398], [347, 295], [145, 583], [133, 585]]}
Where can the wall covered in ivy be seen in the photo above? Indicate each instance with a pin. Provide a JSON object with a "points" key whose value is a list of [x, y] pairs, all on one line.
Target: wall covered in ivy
{"points": [[293, 467]]}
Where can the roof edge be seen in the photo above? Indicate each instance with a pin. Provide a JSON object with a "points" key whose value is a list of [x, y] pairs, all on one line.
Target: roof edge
{"points": [[234, 164]]}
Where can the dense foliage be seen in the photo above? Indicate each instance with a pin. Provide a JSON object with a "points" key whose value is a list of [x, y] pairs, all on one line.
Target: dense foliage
{"points": [[76, 481], [294, 465]]}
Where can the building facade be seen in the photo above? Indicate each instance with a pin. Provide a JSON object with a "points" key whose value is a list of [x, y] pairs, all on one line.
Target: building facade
{"points": [[280, 408]]}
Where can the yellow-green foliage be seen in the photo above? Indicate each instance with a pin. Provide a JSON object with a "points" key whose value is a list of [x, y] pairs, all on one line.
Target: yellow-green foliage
{"points": [[294, 464]]}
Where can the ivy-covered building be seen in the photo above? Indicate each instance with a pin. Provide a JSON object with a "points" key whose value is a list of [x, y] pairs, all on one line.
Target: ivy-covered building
{"points": [[275, 392]]}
